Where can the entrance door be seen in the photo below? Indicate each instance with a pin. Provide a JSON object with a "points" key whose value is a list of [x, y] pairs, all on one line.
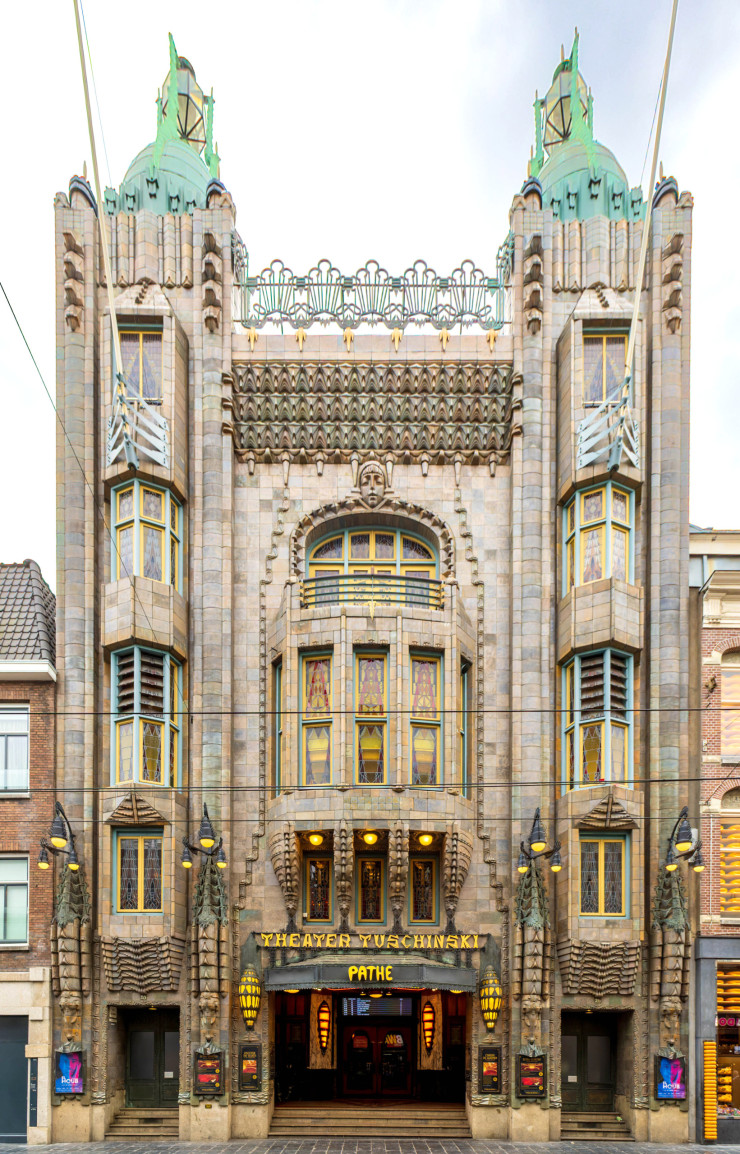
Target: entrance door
{"points": [[13, 1078], [377, 1061], [153, 1058], [587, 1057]]}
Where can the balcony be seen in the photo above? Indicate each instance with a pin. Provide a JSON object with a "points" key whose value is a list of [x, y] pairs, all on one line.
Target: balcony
{"points": [[371, 589]]}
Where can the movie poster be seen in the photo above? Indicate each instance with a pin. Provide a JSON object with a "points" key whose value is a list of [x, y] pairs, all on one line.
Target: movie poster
{"points": [[250, 1067], [68, 1074], [531, 1075], [490, 1070], [209, 1074], [670, 1078]]}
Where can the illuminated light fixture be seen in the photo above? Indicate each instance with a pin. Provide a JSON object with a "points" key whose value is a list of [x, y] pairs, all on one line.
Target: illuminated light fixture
{"points": [[57, 833], [670, 860], [221, 861], [323, 1024], [291, 991], [426, 838], [456, 991], [369, 837], [250, 995], [491, 995], [555, 863], [684, 837], [61, 840], [698, 862], [523, 863], [316, 838], [73, 862], [377, 994], [187, 858], [537, 839], [206, 833], [427, 1026], [43, 862]]}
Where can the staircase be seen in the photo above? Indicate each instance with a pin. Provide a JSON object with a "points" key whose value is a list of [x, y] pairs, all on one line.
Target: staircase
{"points": [[144, 1122], [371, 1119], [593, 1127]]}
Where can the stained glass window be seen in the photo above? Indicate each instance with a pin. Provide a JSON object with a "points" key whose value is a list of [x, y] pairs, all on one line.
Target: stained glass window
{"points": [[371, 895], [620, 506], [370, 701], [140, 872], [360, 546], [318, 881], [593, 506], [317, 736], [151, 504], [413, 550], [317, 754], [593, 555], [591, 744], [596, 718], [145, 519], [425, 738], [463, 729], [619, 751], [385, 545], [317, 673], [141, 354], [146, 686], [597, 536], [604, 359], [151, 751], [370, 754], [423, 890], [277, 726], [374, 565], [125, 766], [603, 876], [371, 685], [619, 555], [129, 874], [329, 551]]}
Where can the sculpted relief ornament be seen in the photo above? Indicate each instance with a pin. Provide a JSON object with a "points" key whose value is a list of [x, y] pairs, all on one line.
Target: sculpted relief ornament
{"points": [[70, 952]]}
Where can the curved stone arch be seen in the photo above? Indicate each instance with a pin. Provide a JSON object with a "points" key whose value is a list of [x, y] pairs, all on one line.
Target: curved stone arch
{"points": [[730, 785], [732, 642], [354, 505]]}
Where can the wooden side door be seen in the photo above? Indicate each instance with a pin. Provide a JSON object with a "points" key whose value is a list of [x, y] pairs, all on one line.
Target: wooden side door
{"points": [[587, 1061]]}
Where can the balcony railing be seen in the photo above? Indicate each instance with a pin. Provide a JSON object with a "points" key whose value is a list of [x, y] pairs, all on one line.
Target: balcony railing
{"points": [[374, 589]]}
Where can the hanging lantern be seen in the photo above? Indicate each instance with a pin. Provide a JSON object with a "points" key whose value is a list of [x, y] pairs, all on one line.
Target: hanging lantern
{"points": [[427, 1026], [250, 994], [323, 1024], [490, 997]]}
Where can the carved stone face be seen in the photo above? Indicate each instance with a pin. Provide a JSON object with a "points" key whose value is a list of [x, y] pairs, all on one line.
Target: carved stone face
{"points": [[70, 1005], [209, 1007], [372, 483]]}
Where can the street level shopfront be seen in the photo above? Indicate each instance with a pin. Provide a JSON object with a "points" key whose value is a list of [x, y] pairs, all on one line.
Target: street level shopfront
{"points": [[718, 1035]]}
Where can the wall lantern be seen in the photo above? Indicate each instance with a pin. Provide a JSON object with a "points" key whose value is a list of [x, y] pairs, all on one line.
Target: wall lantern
{"points": [[206, 833], [250, 995], [536, 847], [427, 1026], [490, 997], [61, 840], [426, 838], [316, 838], [682, 847], [369, 837], [323, 1024], [207, 839]]}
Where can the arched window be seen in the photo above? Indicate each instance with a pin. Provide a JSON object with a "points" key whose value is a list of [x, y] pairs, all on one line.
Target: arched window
{"points": [[372, 563]]}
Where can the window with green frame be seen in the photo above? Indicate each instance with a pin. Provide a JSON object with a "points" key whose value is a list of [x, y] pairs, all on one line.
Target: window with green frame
{"points": [[142, 363], [318, 898], [597, 531], [604, 357], [424, 889], [597, 719], [463, 729], [148, 534], [426, 718], [316, 718], [277, 725], [371, 718], [370, 884], [603, 876], [139, 871], [147, 708]]}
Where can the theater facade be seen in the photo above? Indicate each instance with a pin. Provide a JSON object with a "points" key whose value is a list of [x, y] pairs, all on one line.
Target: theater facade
{"points": [[370, 668]]}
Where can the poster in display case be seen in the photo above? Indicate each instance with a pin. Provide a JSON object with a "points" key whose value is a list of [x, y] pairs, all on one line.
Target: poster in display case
{"points": [[209, 1074], [490, 1070], [250, 1067], [68, 1072], [531, 1075], [670, 1078]]}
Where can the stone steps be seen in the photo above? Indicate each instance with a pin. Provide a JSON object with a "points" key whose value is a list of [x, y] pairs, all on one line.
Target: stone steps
{"points": [[593, 1126], [372, 1119], [140, 1122]]}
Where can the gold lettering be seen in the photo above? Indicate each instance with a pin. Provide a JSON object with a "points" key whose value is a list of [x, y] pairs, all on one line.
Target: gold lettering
{"points": [[307, 941], [372, 973], [381, 973], [392, 941], [389, 973], [281, 939], [465, 942], [439, 941], [418, 941], [266, 939], [364, 938], [344, 941], [453, 942], [352, 973], [406, 938], [319, 940], [294, 941], [429, 941], [379, 940], [475, 941], [331, 941], [362, 974]]}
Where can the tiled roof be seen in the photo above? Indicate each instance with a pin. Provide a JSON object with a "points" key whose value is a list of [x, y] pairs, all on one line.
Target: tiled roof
{"points": [[27, 614]]}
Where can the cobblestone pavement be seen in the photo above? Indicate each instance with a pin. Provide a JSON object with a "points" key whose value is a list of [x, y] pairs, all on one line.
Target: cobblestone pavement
{"points": [[366, 1146]]}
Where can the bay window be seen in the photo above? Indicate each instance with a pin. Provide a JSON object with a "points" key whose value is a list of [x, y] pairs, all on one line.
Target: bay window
{"points": [[597, 719], [597, 531]]}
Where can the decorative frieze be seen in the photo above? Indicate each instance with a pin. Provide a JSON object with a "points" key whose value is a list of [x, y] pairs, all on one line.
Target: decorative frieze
{"points": [[135, 810], [598, 968], [458, 852], [284, 858], [143, 965]]}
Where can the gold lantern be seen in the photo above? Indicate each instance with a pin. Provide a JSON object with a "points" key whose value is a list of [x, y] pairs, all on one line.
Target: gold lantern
{"points": [[490, 997], [323, 1024], [427, 1026], [250, 994]]}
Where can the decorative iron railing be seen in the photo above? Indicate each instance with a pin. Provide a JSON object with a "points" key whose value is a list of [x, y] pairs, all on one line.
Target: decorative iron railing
{"points": [[373, 589], [370, 296]]}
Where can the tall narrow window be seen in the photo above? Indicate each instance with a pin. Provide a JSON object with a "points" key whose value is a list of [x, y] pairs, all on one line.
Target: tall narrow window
{"points": [[597, 531], [597, 718], [277, 725], [148, 534], [318, 889], [140, 872], [14, 728], [316, 723], [370, 889], [147, 717], [13, 901], [371, 718], [425, 721], [604, 357], [463, 730], [603, 876], [424, 890], [141, 354], [730, 724]]}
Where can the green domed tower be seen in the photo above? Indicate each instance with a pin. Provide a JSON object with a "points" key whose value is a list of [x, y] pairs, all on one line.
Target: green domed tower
{"points": [[172, 174], [579, 176]]}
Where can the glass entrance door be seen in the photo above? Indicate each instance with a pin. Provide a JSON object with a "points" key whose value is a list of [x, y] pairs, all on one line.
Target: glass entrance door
{"points": [[587, 1057], [153, 1058], [377, 1061]]}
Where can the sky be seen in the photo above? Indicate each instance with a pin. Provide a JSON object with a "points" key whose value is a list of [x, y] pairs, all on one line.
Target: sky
{"points": [[392, 130]]}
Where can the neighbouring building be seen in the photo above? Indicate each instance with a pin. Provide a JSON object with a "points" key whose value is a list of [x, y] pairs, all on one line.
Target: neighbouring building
{"points": [[373, 575], [715, 652], [27, 781]]}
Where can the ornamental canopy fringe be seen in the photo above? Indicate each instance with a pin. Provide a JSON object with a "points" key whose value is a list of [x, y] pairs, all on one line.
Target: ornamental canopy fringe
{"points": [[372, 295]]}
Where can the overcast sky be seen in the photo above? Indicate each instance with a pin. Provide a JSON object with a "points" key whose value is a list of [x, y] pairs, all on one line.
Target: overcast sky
{"points": [[393, 130]]}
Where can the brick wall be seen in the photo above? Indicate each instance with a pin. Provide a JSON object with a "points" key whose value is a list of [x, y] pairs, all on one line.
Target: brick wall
{"points": [[23, 821]]}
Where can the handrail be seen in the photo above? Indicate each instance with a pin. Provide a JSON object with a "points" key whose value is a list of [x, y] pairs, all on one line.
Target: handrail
{"points": [[375, 588]]}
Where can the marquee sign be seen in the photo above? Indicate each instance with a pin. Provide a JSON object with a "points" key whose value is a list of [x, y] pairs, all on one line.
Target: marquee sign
{"points": [[312, 941]]}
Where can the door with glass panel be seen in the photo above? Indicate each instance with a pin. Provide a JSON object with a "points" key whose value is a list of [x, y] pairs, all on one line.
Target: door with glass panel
{"points": [[152, 1058], [587, 1061]]}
